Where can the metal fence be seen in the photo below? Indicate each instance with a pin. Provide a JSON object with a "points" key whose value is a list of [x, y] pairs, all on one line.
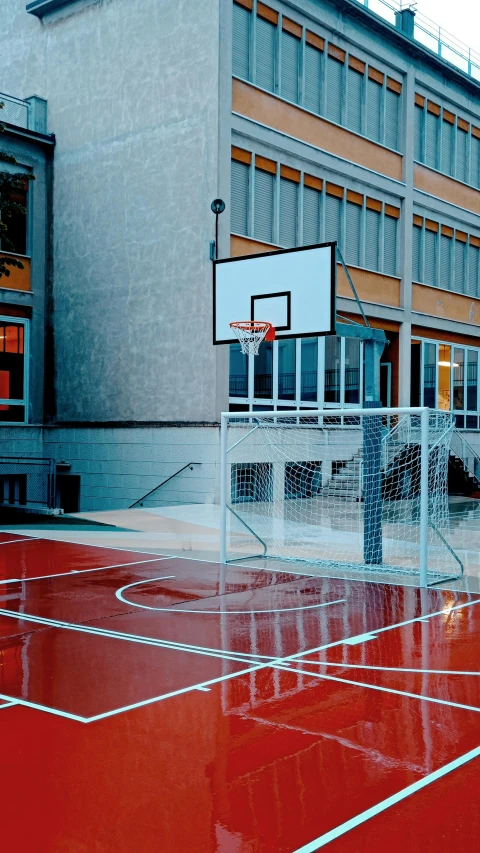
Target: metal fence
{"points": [[27, 483]]}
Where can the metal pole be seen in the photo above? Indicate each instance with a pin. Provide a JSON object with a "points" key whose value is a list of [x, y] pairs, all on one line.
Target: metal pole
{"points": [[216, 236], [424, 420], [223, 487]]}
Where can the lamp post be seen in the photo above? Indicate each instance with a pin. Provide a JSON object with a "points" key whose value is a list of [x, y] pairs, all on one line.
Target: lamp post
{"points": [[217, 206]]}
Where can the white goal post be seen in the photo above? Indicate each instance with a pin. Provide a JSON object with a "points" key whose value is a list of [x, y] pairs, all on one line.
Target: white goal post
{"points": [[345, 489]]}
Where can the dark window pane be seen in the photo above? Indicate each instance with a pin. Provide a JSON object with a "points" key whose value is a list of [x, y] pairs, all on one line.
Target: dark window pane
{"points": [[263, 371]]}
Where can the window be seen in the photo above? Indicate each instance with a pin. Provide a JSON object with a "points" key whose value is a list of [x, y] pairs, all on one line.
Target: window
{"points": [[473, 288], [288, 212], [392, 118], [458, 378], [460, 262], [238, 372], [308, 379], [475, 162], [354, 99], [448, 142], [374, 108], [313, 76], [332, 369], [430, 273], [461, 158], [263, 371], [372, 242], [334, 89], [446, 245], [418, 133], [432, 123], [353, 233], [311, 215], [12, 371], [263, 207], [265, 54], [239, 204], [352, 371], [333, 213], [241, 42], [14, 239], [390, 245], [286, 369], [429, 375], [417, 272], [449, 379], [290, 67], [472, 380]]}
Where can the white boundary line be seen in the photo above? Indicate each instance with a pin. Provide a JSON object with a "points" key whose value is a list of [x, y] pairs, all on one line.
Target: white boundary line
{"points": [[24, 539], [389, 668], [8, 704], [322, 840], [83, 571]]}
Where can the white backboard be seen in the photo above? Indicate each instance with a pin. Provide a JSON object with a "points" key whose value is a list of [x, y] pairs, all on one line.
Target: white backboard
{"points": [[294, 289]]}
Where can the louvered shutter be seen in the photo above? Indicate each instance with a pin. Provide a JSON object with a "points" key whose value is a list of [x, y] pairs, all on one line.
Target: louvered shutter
{"points": [[374, 109], [313, 76], [446, 244], [446, 159], [418, 133], [333, 213], [390, 246], [265, 54], [473, 260], [392, 119], [241, 42], [290, 67], [461, 159], [354, 100], [264, 192], [460, 258], [432, 123], [475, 163], [288, 212], [311, 216], [239, 203], [430, 271], [417, 254], [372, 239], [352, 236], [334, 89]]}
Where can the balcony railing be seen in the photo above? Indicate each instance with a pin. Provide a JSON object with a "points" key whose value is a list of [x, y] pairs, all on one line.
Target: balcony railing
{"points": [[430, 35], [14, 110]]}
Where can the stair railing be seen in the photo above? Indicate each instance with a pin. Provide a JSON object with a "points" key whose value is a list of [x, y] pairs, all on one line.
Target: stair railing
{"points": [[140, 500], [469, 457]]}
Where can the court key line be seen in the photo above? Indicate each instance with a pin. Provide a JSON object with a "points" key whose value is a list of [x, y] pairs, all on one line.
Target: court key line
{"points": [[84, 571], [175, 609], [324, 839]]}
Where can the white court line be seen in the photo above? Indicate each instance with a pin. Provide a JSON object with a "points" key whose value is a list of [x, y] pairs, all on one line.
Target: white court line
{"points": [[390, 668], [84, 571], [8, 704], [37, 707], [175, 609], [321, 676], [322, 840], [25, 539]]}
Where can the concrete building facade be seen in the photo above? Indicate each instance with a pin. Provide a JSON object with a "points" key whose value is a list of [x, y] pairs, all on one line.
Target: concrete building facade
{"points": [[314, 121]]}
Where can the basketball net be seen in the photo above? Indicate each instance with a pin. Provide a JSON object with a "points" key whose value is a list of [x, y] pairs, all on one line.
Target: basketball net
{"points": [[251, 333]]}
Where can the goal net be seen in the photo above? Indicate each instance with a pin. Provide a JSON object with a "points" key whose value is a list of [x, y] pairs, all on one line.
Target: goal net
{"points": [[355, 490]]}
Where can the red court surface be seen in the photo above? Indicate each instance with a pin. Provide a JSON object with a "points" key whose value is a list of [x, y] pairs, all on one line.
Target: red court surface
{"points": [[159, 705]]}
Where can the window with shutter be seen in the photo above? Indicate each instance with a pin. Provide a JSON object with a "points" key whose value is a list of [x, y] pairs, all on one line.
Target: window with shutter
{"points": [[372, 239], [265, 54], [334, 89], [353, 232], [432, 126], [313, 77], [475, 162], [290, 67], [354, 100], [311, 216], [392, 119], [239, 202], [288, 212], [390, 246], [263, 207], [430, 271], [446, 245], [333, 214], [460, 265], [417, 254], [461, 158], [473, 271], [374, 109], [418, 133], [241, 42], [446, 159]]}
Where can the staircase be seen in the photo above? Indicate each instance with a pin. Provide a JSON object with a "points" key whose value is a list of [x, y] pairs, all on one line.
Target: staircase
{"points": [[463, 467], [346, 483]]}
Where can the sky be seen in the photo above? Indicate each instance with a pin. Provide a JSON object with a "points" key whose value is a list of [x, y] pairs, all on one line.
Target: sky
{"points": [[461, 18]]}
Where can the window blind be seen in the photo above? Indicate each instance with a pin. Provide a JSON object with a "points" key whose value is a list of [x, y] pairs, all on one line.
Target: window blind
{"points": [[475, 163], [446, 244], [374, 109], [333, 213], [334, 90], [290, 59], [288, 212], [354, 100], [418, 133], [417, 254], [392, 119], [311, 216], [473, 271], [353, 232], [461, 158], [430, 270], [446, 159], [372, 242], [313, 76], [431, 140], [390, 246], [239, 202], [460, 265], [265, 54], [263, 207], [241, 42]]}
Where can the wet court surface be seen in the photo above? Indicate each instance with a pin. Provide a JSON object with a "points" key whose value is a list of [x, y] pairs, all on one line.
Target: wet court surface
{"points": [[165, 704]]}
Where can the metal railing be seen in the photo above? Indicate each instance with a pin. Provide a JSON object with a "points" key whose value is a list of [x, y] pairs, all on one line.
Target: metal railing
{"points": [[27, 483], [14, 111], [430, 35], [465, 452], [140, 500]]}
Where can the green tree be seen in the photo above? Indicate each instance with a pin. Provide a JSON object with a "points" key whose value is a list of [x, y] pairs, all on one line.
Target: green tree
{"points": [[11, 184]]}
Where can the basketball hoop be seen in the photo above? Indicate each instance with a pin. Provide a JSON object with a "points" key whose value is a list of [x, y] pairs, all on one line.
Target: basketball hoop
{"points": [[251, 333]]}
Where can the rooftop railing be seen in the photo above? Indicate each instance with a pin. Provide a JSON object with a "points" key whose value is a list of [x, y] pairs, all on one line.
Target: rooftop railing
{"points": [[30, 114], [429, 34]]}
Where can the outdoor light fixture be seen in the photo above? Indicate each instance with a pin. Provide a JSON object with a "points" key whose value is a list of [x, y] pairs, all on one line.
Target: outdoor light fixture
{"points": [[217, 206]]}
